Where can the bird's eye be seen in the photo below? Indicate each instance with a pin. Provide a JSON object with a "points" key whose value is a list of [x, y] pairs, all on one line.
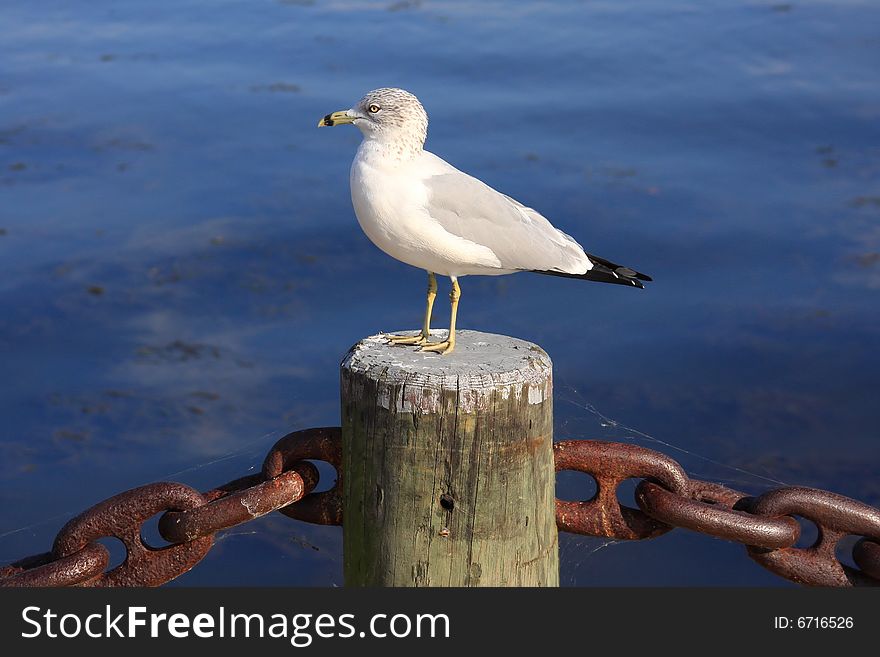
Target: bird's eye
{"points": [[374, 108]]}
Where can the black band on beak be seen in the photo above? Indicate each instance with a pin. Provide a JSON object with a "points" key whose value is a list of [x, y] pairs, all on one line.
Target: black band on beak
{"points": [[336, 118]]}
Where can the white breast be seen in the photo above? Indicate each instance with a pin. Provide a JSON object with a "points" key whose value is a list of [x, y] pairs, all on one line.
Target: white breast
{"points": [[391, 207]]}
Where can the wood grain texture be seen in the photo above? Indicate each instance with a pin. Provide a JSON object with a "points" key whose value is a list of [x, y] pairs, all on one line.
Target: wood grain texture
{"points": [[448, 461]]}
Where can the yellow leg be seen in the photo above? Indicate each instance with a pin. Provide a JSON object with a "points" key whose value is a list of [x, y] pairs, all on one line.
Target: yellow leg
{"points": [[422, 338], [448, 345]]}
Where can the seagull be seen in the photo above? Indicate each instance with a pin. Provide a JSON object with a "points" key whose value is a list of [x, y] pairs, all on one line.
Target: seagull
{"points": [[421, 210]]}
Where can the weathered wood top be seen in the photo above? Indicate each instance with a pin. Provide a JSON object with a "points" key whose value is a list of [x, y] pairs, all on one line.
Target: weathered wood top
{"points": [[481, 363]]}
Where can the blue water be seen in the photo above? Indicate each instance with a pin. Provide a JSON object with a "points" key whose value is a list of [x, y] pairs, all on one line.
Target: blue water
{"points": [[182, 269]]}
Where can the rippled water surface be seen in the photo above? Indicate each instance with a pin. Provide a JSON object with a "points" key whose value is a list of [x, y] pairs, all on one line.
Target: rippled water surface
{"points": [[182, 270]]}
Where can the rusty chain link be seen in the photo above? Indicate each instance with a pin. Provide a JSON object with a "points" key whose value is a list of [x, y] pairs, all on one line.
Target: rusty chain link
{"points": [[45, 570], [610, 464], [121, 516], [716, 515], [320, 508], [836, 516], [866, 554], [666, 497]]}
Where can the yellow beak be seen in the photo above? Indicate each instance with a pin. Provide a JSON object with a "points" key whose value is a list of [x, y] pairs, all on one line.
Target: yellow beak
{"points": [[337, 118]]}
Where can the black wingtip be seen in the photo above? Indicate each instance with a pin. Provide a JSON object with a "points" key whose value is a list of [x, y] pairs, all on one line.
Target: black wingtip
{"points": [[599, 275], [629, 272], [605, 271]]}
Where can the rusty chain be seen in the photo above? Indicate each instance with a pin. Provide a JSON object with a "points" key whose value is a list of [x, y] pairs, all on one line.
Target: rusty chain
{"points": [[765, 524], [189, 519], [666, 497]]}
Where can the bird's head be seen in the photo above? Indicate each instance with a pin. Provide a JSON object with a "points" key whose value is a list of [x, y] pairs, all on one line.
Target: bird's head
{"points": [[391, 115]]}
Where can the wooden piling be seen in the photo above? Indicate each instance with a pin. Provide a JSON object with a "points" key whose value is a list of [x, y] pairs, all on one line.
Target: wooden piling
{"points": [[448, 462]]}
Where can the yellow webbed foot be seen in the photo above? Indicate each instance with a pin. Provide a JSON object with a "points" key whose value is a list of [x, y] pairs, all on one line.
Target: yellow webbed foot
{"points": [[417, 340], [442, 348]]}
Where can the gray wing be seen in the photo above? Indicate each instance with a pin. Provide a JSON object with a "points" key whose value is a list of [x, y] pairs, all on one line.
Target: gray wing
{"points": [[519, 236]]}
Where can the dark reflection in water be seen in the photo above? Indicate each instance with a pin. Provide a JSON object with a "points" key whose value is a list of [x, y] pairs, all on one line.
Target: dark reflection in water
{"points": [[182, 270]]}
